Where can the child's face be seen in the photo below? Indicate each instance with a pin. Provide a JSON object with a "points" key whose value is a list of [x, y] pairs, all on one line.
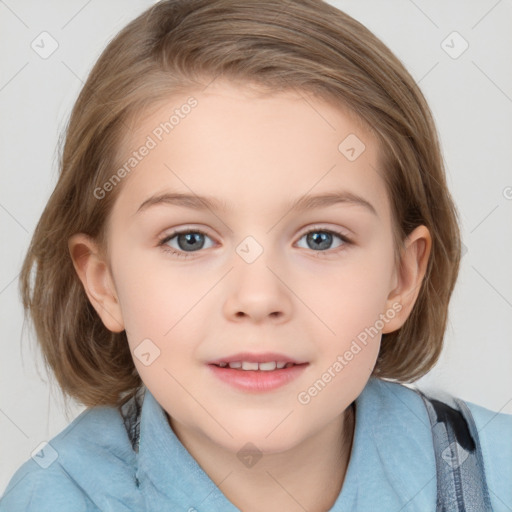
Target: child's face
{"points": [[256, 283]]}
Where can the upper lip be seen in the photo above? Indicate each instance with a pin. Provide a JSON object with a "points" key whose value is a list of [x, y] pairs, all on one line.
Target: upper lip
{"points": [[256, 358]]}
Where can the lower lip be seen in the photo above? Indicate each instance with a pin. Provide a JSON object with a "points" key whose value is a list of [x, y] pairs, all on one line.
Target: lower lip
{"points": [[257, 380]]}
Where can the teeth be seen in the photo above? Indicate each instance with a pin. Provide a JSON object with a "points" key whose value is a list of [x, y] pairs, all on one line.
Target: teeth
{"points": [[249, 365]]}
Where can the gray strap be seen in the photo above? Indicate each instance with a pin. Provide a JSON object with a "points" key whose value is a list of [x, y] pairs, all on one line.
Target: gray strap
{"points": [[130, 412], [461, 482]]}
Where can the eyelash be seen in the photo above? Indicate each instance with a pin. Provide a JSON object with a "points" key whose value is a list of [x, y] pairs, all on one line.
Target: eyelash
{"points": [[182, 254]]}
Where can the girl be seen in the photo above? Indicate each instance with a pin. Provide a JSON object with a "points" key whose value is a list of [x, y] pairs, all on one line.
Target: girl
{"points": [[263, 370]]}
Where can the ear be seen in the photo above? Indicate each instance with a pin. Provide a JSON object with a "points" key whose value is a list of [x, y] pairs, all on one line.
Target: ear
{"points": [[93, 271], [409, 277]]}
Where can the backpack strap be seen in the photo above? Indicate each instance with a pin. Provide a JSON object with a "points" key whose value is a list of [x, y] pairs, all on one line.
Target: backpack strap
{"points": [[461, 482], [130, 412]]}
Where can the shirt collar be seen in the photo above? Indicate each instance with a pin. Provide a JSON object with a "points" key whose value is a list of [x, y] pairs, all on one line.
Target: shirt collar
{"points": [[170, 468], [392, 465]]}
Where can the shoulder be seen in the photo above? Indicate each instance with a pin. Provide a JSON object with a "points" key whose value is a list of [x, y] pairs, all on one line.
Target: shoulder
{"points": [[32, 489], [78, 469]]}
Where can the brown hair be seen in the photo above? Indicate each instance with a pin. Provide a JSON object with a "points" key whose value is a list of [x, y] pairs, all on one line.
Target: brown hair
{"points": [[174, 46]]}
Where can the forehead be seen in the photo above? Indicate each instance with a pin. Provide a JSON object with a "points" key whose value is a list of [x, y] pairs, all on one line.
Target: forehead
{"points": [[250, 149]]}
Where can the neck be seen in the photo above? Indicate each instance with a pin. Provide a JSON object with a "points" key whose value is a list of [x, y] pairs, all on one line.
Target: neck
{"points": [[308, 477]]}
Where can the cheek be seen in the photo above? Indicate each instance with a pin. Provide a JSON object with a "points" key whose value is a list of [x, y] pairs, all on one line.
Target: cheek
{"points": [[156, 298], [163, 310], [352, 297], [353, 309]]}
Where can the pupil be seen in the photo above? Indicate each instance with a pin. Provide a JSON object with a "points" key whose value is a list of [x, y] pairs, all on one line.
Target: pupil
{"points": [[190, 240], [321, 240]]}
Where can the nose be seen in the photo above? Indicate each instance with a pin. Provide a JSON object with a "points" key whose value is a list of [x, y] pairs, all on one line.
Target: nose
{"points": [[256, 291]]}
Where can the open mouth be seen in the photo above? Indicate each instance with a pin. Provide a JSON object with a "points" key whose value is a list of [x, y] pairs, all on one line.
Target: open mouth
{"points": [[257, 377], [268, 366], [256, 373]]}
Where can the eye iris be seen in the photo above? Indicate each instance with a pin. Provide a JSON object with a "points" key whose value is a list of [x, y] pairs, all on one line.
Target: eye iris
{"points": [[319, 239], [190, 240]]}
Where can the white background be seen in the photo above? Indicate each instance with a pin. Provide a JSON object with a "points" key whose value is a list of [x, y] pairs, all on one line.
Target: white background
{"points": [[470, 96]]}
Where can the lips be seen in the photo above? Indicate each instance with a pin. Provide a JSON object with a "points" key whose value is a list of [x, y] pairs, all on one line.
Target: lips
{"points": [[254, 378], [262, 366], [267, 361], [257, 372]]}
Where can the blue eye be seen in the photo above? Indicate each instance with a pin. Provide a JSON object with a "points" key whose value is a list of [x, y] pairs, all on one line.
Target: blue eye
{"points": [[320, 239], [187, 239]]}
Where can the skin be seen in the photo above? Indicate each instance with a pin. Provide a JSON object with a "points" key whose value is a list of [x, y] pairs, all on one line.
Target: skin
{"points": [[256, 153]]}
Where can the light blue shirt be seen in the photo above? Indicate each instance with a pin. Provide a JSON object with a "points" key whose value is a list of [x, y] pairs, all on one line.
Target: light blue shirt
{"points": [[91, 465]]}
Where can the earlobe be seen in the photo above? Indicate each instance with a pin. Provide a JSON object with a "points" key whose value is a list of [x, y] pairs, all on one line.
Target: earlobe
{"points": [[414, 260], [96, 279]]}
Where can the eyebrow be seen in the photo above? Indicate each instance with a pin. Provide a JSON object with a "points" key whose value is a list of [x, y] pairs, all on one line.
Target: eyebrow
{"points": [[211, 203]]}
